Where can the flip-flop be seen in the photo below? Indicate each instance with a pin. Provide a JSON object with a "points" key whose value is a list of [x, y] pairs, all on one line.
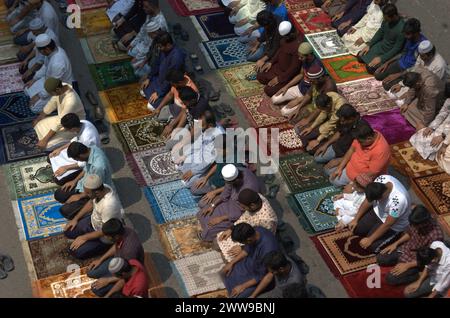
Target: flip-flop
{"points": [[104, 138], [273, 190], [228, 110], [8, 263], [91, 98], [193, 57], [3, 273], [214, 96], [198, 69]]}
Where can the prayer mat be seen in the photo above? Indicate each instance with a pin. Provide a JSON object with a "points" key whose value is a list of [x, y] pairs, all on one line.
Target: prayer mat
{"points": [[345, 69], [194, 7], [30, 177], [140, 134], [237, 78], [102, 49], [180, 238], [394, 127], [94, 22], [213, 26], [8, 53], [5, 32], [124, 102], [14, 108], [171, 201], [40, 216], [112, 74], [51, 256], [297, 5], [153, 166], [223, 293], [91, 4], [311, 21], [74, 284], [224, 53], [342, 253], [367, 96], [259, 112], [445, 223], [200, 273], [327, 44], [434, 191], [408, 161], [19, 142], [302, 173], [317, 207], [11, 79], [288, 140]]}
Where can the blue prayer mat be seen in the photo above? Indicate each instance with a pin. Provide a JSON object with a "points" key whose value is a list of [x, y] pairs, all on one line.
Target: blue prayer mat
{"points": [[15, 108], [19, 142], [214, 26], [224, 53]]}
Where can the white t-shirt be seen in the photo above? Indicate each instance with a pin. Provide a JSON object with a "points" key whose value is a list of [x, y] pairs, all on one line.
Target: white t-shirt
{"points": [[88, 134], [440, 272], [397, 205], [109, 207], [48, 14]]}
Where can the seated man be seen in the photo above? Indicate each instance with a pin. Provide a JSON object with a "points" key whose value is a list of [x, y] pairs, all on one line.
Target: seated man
{"points": [[369, 153], [85, 227], [331, 7], [432, 60], [118, 9], [384, 213], [225, 209], [243, 14], [246, 271], [353, 12], [64, 168], [126, 244], [265, 46], [31, 9], [423, 230], [64, 101], [386, 43], [155, 87]]}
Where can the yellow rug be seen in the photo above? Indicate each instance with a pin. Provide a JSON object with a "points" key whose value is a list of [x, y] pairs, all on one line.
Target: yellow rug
{"points": [[5, 32], [94, 22], [102, 49]]}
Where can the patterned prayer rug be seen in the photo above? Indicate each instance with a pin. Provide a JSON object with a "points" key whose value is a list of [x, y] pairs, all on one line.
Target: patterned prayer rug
{"points": [[213, 26], [123, 103], [445, 223], [11, 79], [140, 134], [224, 52], [345, 69], [200, 273], [8, 53], [19, 142], [91, 4], [51, 257], [287, 141], [153, 166], [194, 7], [40, 216], [342, 253], [171, 201], [74, 284], [180, 239], [408, 161], [434, 191], [297, 5], [94, 22], [31, 177], [113, 74], [5, 33], [317, 207], [311, 20], [327, 44], [257, 109], [302, 173], [223, 293], [14, 108], [367, 96], [237, 79], [394, 127], [102, 50]]}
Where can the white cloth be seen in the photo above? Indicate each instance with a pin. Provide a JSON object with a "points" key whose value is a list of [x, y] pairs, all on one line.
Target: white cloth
{"points": [[348, 206], [39, 57], [437, 65], [49, 16], [249, 10], [119, 6], [109, 207], [440, 272]]}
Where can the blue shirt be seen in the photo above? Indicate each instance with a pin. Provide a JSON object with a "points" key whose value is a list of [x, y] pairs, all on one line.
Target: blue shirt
{"points": [[408, 59], [97, 164], [280, 11]]}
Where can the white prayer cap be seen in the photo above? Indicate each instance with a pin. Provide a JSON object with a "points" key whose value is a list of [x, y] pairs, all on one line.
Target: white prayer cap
{"points": [[284, 28], [115, 265], [92, 182], [42, 40], [36, 24], [152, 27], [425, 47], [226, 3], [230, 172]]}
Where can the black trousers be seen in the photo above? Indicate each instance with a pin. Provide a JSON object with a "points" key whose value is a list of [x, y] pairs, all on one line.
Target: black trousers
{"points": [[69, 210], [407, 277], [393, 68]]}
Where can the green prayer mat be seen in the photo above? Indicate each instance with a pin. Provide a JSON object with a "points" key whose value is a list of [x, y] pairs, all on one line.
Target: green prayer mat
{"points": [[112, 74]]}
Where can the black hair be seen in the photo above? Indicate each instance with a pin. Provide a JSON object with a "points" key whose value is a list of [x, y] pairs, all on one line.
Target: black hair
{"points": [[323, 101], [70, 120], [424, 256], [420, 210], [76, 149], [126, 268], [242, 232], [447, 89], [275, 260], [164, 38], [113, 227], [175, 76], [410, 79], [291, 36], [248, 196], [295, 290], [347, 111], [363, 130], [390, 10], [412, 26], [374, 191], [266, 18], [153, 3], [210, 118], [187, 94]]}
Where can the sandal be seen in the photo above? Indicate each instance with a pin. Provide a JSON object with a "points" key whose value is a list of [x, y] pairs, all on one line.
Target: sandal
{"points": [[214, 96], [198, 69], [91, 98], [7, 262]]}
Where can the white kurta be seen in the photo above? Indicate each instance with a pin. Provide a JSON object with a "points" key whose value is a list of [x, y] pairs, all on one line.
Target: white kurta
{"points": [[119, 7], [49, 17], [39, 58], [437, 65], [249, 11]]}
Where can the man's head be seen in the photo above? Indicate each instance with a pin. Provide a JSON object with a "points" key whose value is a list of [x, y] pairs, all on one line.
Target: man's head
{"points": [[232, 175], [277, 263], [77, 151], [37, 26], [380, 3], [164, 42], [324, 102], [376, 191], [45, 44], [71, 122], [176, 78], [425, 256], [347, 114], [390, 13], [412, 29], [249, 200], [412, 80], [305, 52], [426, 51], [113, 229], [295, 290], [188, 96], [362, 181], [266, 19], [53, 86], [208, 120], [120, 267], [420, 218], [153, 29], [93, 186], [244, 233], [316, 75], [151, 7], [365, 135]]}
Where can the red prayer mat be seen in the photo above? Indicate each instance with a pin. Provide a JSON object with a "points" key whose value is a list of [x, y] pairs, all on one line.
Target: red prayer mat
{"points": [[297, 5], [259, 112], [434, 191], [194, 7], [311, 20], [288, 141], [345, 69]]}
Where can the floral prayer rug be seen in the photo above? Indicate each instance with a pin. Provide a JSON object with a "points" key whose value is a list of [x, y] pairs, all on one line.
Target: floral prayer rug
{"points": [[311, 20], [224, 53], [94, 22], [11, 79], [180, 238], [302, 173], [102, 49], [434, 191], [30, 177], [327, 44], [14, 108], [153, 166], [445, 223], [194, 7], [342, 252], [237, 78], [91, 4], [8, 53], [223, 293], [124, 102], [367, 96], [19, 142], [408, 161], [171, 201], [257, 109], [112, 74], [297, 5], [40, 216], [213, 26], [200, 273], [287, 140], [345, 69], [140, 134]]}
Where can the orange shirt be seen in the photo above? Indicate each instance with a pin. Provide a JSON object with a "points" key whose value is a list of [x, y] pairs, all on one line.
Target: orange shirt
{"points": [[374, 159], [176, 95]]}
